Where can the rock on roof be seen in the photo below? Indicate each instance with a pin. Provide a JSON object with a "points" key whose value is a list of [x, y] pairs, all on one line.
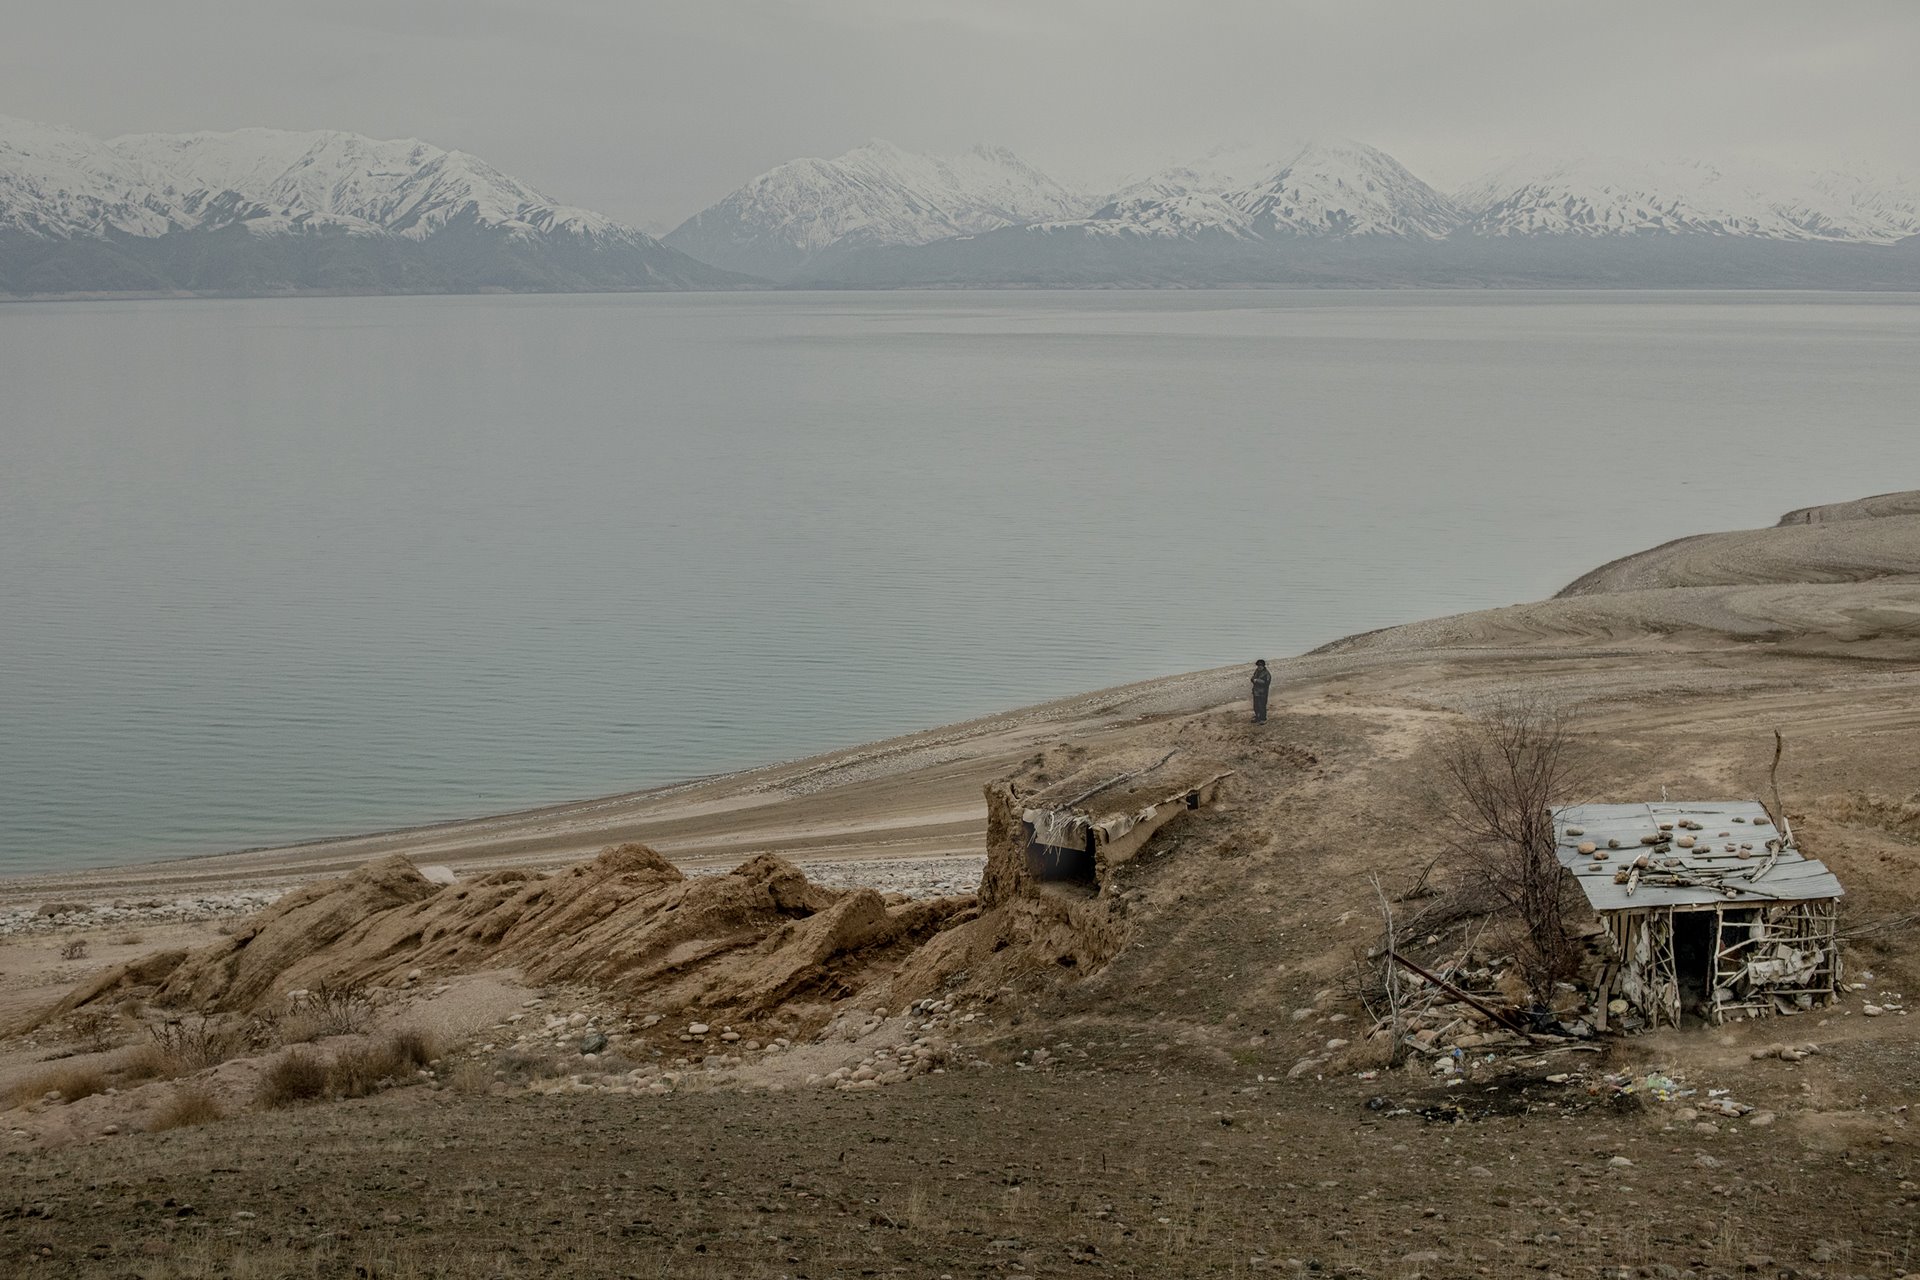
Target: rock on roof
{"points": [[1686, 853]]}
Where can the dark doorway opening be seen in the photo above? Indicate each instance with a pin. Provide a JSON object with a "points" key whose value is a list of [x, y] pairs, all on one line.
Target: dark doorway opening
{"points": [[1693, 961], [1058, 864]]}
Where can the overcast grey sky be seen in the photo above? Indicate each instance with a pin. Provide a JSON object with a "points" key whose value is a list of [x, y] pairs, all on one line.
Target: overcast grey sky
{"points": [[649, 110]]}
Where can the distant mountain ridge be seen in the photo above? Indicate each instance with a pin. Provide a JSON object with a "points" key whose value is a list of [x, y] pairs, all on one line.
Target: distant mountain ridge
{"points": [[267, 210], [1611, 196], [1318, 189], [879, 195], [1342, 212]]}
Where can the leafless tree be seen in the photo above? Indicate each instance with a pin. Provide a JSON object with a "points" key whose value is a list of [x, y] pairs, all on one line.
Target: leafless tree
{"points": [[1396, 1025], [1501, 776]]}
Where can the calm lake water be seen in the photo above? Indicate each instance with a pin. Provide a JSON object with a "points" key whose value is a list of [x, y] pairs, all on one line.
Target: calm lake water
{"points": [[280, 569]]}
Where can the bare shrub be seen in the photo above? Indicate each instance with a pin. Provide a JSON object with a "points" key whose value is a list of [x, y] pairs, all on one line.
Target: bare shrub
{"points": [[131, 939], [95, 1030], [337, 1009], [298, 1076], [70, 1083], [186, 1107], [74, 950], [520, 1066], [196, 1042], [270, 1028], [1503, 776]]}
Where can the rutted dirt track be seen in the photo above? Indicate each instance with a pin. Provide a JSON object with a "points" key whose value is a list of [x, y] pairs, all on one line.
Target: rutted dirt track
{"points": [[1201, 1105]]}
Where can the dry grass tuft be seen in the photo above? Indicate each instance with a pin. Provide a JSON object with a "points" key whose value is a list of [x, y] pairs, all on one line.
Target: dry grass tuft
{"points": [[297, 1077], [357, 1072], [71, 1083], [362, 1071], [471, 1078], [413, 1046], [146, 1062], [186, 1107], [372, 1067]]}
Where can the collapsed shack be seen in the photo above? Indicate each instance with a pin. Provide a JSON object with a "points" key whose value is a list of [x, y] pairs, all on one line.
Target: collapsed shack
{"points": [[1709, 910], [1072, 834], [1043, 907]]}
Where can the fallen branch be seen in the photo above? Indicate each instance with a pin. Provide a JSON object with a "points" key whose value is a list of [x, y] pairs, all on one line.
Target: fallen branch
{"points": [[1506, 1020], [1420, 889], [1090, 792], [1885, 925]]}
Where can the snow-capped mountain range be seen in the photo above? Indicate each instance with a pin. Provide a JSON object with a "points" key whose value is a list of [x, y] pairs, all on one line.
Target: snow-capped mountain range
{"points": [[263, 210], [1613, 196], [875, 195], [1321, 212], [1335, 188], [62, 187]]}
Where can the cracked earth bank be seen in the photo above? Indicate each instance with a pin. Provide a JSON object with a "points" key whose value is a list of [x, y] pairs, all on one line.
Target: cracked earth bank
{"points": [[625, 1069]]}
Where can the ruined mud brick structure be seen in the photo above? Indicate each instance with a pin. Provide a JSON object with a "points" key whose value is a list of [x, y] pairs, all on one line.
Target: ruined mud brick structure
{"points": [[1069, 834], [1710, 908]]}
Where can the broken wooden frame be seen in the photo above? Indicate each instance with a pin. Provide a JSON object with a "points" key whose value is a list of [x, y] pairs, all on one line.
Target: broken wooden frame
{"points": [[1767, 958]]}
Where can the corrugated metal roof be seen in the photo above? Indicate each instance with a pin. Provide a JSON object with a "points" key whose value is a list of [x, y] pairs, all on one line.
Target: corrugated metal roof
{"points": [[1728, 877]]}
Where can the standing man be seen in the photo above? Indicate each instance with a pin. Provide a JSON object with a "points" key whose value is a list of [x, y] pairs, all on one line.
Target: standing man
{"points": [[1262, 678]]}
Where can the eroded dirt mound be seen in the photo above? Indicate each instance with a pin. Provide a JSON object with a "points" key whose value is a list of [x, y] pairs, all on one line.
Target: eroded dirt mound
{"points": [[629, 922], [1860, 808]]}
